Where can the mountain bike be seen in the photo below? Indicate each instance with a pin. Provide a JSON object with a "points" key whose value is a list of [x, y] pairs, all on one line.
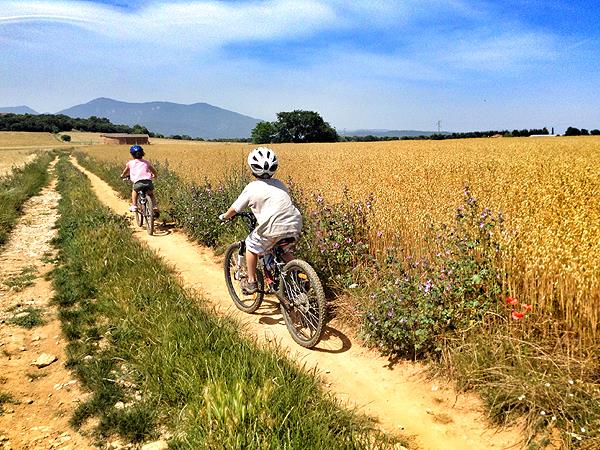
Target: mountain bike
{"points": [[295, 284], [144, 213]]}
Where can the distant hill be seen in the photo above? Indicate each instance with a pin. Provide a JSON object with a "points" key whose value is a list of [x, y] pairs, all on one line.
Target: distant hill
{"points": [[17, 110], [389, 133], [195, 120]]}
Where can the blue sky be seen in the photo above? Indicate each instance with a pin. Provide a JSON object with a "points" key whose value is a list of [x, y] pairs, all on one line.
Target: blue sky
{"points": [[396, 64]]}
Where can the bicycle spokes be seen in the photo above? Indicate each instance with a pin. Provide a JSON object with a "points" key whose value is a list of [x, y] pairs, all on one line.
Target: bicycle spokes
{"points": [[302, 302]]}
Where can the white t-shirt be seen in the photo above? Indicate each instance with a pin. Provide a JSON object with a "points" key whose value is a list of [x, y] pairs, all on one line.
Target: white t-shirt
{"points": [[269, 200]]}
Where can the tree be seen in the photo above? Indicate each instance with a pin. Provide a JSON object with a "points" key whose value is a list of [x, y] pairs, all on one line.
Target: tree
{"points": [[294, 126], [572, 131], [139, 129], [264, 133], [303, 126], [595, 132]]}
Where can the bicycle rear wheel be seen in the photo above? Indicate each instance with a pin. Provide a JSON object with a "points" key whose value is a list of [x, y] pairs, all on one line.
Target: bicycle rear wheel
{"points": [[304, 315], [233, 275], [139, 212], [149, 215]]}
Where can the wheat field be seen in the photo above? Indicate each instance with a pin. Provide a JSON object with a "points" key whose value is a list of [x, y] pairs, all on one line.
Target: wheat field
{"points": [[18, 148], [548, 189], [13, 139]]}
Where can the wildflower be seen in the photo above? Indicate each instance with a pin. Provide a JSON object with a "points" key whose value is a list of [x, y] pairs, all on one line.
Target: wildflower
{"points": [[526, 307], [582, 429], [547, 384], [571, 382], [516, 315], [553, 418], [379, 234], [542, 413], [521, 397], [428, 286], [511, 300], [336, 245], [348, 240]]}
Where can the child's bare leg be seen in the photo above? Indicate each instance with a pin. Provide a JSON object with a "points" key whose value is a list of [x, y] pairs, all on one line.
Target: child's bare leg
{"points": [[251, 262]]}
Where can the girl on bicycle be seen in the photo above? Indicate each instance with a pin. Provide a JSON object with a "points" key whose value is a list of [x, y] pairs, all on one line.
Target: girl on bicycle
{"points": [[269, 200], [140, 173]]}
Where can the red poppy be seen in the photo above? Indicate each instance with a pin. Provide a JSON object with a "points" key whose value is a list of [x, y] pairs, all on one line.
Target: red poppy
{"points": [[526, 307], [511, 300], [517, 315]]}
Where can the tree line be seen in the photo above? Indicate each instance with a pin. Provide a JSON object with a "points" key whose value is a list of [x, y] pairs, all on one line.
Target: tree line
{"points": [[56, 123]]}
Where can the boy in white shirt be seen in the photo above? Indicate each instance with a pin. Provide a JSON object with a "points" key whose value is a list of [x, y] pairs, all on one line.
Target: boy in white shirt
{"points": [[269, 200]]}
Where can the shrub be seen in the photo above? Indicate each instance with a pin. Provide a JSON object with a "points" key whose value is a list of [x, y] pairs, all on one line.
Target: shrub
{"points": [[66, 138], [418, 302], [334, 236]]}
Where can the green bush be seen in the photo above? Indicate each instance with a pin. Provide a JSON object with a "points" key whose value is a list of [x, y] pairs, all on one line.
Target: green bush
{"points": [[65, 137], [334, 237], [418, 303]]}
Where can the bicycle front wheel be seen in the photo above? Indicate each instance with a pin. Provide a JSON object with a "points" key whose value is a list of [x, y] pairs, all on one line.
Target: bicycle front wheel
{"points": [[149, 215], [234, 272], [304, 313]]}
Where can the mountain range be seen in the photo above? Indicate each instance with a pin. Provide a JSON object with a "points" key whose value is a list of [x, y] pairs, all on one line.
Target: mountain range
{"points": [[17, 110], [195, 120]]}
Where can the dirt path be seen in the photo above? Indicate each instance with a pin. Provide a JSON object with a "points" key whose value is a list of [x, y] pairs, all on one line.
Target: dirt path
{"points": [[401, 398], [42, 400]]}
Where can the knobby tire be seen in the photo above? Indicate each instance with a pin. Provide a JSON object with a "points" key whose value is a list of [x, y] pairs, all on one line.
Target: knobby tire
{"points": [[149, 213], [304, 315], [246, 303]]}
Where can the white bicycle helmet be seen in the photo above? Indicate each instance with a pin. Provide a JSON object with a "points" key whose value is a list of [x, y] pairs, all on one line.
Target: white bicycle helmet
{"points": [[263, 162]]}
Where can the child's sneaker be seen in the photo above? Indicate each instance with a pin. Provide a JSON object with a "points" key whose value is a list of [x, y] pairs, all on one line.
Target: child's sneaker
{"points": [[156, 213], [133, 208], [247, 287]]}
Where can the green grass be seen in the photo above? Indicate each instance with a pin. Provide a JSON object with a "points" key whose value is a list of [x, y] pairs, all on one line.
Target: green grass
{"points": [[32, 319], [18, 187], [22, 280], [6, 397], [195, 373]]}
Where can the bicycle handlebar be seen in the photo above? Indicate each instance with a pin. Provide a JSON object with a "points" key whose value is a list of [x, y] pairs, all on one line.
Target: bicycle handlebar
{"points": [[247, 217]]}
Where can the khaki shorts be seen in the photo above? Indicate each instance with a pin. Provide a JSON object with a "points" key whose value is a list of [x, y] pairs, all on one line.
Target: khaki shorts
{"points": [[258, 244]]}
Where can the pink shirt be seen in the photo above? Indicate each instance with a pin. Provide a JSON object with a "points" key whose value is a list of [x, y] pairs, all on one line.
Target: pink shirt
{"points": [[139, 169]]}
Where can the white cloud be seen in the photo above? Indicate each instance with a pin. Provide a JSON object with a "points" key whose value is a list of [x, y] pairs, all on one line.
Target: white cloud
{"points": [[505, 51], [197, 24], [213, 23]]}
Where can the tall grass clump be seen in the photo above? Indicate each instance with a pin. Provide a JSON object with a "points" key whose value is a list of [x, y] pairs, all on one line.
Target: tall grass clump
{"points": [[139, 341], [17, 187]]}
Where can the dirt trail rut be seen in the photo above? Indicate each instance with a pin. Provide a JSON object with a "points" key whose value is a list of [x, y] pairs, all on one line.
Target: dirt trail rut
{"points": [[43, 399], [401, 398]]}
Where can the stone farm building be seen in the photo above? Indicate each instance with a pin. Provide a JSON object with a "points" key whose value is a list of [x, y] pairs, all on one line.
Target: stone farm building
{"points": [[125, 139]]}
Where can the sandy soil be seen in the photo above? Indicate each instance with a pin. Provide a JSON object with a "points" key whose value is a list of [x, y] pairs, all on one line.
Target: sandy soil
{"points": [[401, 397], [44, 398]]}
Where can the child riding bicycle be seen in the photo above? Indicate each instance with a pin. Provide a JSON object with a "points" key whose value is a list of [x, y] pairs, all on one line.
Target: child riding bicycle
{"points": [[140, 173], [269, 200]]}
